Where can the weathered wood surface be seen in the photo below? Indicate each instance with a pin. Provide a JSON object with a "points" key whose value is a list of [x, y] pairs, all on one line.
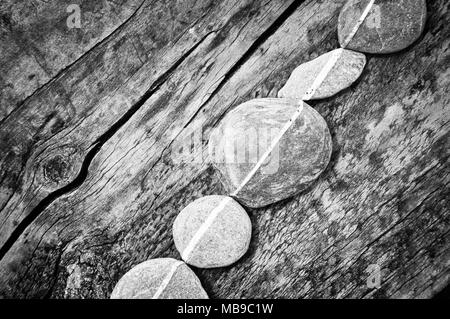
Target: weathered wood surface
{"points": [[36, 43], [90, 187], [45, 141]]}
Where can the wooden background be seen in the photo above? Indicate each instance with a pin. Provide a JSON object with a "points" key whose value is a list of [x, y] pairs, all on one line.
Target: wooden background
{"points": [[89, 118]]}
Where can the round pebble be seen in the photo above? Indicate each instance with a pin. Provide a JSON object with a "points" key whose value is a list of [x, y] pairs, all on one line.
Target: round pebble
{"points": [[213, 231], [246, 134], [345, 71], [162, 278], [389, 27]]}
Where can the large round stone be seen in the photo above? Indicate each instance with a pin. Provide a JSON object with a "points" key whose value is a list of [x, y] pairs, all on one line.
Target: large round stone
{"points": [[213, 231], [162, 278], [391, 25], [347, 66], [248, 132]]}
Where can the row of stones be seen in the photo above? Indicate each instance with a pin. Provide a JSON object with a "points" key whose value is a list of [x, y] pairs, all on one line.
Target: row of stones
{"points": [[215, 231]]}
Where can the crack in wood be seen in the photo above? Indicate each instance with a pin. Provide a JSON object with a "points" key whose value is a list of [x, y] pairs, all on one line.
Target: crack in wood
{"points": [[377, 176], [96, 146], [244, 58]]}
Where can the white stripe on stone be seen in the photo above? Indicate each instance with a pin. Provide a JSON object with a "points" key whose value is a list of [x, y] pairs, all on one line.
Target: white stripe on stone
{"points": [[167, 279], [203, 228], [358, 24], [308, 95]]}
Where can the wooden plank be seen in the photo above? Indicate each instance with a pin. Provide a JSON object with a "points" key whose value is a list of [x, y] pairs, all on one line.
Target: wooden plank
{"points": [[45, 143], [62, 149], [36, 42], [383, 200]]}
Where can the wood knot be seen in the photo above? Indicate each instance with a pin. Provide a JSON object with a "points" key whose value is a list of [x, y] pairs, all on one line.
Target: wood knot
{"points": [[60, 167], [56, 169]]}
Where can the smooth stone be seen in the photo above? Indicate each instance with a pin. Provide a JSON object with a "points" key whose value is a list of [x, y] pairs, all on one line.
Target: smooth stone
{"points": [[144, 281], [390, 26], [223, 242], [248, 131], [346, 70]]}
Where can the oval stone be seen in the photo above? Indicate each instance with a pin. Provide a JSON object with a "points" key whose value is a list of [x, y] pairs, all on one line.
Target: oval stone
{"points": [[346, 69], [222, 229], [251, 131], [162, 278], [389, 27]]}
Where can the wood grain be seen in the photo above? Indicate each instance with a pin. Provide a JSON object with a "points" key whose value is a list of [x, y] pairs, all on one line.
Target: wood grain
{"points": [[36, 43], [45, 142], [383, 199]]}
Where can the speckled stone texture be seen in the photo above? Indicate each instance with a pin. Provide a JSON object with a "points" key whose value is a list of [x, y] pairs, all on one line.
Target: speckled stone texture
{"points": [[144, 280], [391, 26], [224, 242], [345, 71], [300, 156]]}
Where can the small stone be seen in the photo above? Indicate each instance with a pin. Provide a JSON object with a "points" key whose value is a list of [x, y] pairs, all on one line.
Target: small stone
{"points": [[250, 131], [162, 278], [346, 70], [390, 26], [222, 231]]}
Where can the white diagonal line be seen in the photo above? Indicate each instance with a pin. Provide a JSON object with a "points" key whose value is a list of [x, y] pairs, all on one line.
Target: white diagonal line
{"points": [[270, 149], [358, 24], [166, 279], [215, 212], [185, 254], [203, 228], [335, 55]]}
